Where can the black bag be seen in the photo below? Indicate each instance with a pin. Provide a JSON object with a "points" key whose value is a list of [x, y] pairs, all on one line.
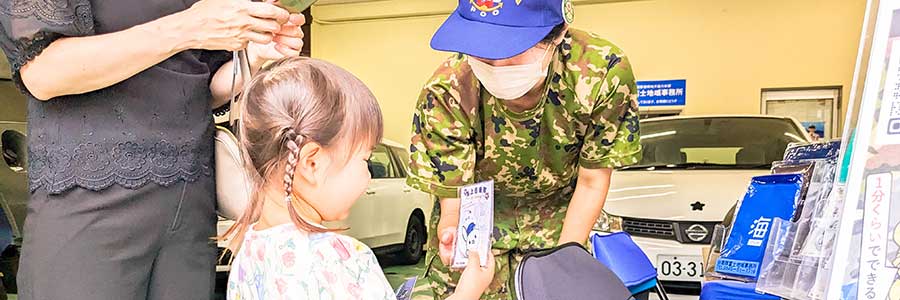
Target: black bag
{"points": [[566, 272]]}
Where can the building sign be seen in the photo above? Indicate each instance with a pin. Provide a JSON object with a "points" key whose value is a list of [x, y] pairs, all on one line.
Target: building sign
{"points": [[661, 92]]}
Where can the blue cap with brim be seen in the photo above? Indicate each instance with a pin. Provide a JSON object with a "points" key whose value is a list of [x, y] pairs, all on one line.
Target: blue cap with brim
{"points": [[499, 29]]}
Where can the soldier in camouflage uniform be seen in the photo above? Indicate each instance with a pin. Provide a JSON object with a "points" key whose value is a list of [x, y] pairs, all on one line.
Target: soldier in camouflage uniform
{"points": [[585, 121]]}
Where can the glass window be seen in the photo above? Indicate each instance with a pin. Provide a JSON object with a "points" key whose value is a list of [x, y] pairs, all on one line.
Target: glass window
{"points": [[402, 160], [716, 142], [817, 109], [380, 164], [813, 114]]}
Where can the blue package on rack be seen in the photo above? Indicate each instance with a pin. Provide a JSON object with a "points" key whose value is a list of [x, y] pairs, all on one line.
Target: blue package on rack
{"points": [[828, 150], [767, 198]]}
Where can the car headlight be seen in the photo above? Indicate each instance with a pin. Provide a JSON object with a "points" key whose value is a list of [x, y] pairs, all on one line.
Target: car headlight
{"points": [[608, 223]]}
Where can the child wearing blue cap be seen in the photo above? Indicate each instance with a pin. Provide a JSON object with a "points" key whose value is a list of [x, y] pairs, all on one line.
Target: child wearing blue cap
{"points": [[544, 110]]}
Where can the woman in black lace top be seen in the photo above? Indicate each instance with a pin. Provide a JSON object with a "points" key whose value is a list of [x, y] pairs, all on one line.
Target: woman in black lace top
{"points": [[121, 136]]}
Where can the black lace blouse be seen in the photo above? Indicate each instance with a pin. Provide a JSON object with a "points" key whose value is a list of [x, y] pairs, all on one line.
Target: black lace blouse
{"points": [[153, 127]]}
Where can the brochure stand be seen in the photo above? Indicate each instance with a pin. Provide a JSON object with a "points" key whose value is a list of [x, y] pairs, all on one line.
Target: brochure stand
{"points": [[864, 260]]}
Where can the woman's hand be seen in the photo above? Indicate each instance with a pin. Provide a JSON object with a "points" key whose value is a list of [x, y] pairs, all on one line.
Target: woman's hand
{"points": [[230, 24], [475, 279], [287, 42]]}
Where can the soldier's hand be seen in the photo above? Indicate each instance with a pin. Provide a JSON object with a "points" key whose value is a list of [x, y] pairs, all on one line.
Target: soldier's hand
{"points": [[447, 243], [446, 229]]}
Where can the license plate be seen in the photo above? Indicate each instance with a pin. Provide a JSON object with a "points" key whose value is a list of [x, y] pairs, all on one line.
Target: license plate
{"points": [[679, 267]]}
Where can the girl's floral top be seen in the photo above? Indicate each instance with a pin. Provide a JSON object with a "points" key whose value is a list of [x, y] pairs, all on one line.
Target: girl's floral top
{"points": [[283, 262]]}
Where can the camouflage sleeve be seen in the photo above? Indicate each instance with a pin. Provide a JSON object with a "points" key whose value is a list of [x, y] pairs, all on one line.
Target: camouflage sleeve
{"points": [[613, 140], [442, 155]]}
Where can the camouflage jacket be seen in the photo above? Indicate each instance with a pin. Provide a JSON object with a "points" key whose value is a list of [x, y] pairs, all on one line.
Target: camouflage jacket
{"points": [[589, 118]]}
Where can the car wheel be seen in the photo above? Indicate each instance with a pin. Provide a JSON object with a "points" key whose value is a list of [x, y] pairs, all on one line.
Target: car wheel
{"points": [[415, 241]]}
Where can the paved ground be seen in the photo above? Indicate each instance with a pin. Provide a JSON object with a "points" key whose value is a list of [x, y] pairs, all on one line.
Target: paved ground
{"points": [[397, 274]]}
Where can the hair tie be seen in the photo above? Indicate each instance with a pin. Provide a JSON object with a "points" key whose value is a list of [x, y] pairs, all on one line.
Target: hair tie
{"points": [[290, 134]]}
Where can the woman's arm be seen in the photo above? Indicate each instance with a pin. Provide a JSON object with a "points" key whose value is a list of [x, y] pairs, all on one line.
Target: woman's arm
{"points": [[220, 85], [586, 204], [76, 65], [83, 64]]}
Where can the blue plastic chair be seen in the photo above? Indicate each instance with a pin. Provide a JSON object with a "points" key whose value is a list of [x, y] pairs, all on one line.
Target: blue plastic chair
{"points": [[732, 290], [621, 255]]}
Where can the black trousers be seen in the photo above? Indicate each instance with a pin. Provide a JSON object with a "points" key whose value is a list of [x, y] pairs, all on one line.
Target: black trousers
{"points": [[149, 243]]}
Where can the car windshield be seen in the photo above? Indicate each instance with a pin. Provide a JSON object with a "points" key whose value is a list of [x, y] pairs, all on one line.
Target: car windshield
{"points": [[715, 142]]}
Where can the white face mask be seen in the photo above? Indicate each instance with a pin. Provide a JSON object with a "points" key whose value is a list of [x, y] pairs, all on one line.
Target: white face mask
{"points": [[509, 82]]}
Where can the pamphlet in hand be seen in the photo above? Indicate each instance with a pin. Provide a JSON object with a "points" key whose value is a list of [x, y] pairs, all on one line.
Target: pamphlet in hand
{"points": [[405, 291], [295, 6], [476, 223]]}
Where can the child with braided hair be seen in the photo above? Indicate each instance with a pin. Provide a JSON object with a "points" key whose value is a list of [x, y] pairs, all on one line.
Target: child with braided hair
{"points": [[307, 130]]}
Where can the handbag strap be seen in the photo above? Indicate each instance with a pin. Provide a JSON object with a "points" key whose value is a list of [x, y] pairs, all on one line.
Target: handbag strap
{"points": [[241, 66]]}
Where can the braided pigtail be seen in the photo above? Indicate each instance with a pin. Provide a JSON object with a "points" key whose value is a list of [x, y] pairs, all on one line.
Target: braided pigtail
{"points": [[293, 146], [293, 142]]}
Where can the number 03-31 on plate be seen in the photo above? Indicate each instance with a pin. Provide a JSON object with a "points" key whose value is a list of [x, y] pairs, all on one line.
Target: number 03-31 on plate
{"points": [[679, 267]]}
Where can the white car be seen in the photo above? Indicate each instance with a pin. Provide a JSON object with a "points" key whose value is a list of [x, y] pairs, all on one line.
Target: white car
{"points": [[693, 172], [391, 217]]}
